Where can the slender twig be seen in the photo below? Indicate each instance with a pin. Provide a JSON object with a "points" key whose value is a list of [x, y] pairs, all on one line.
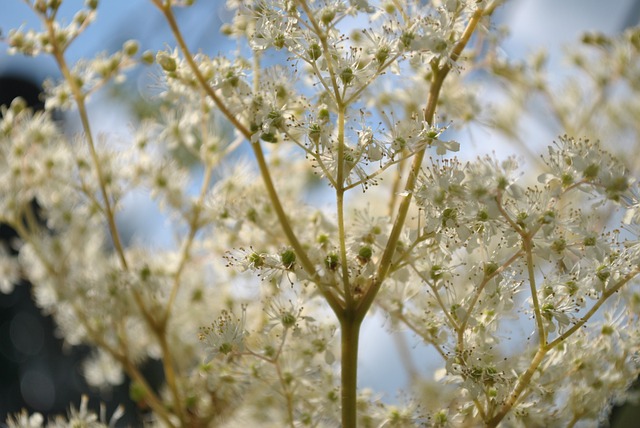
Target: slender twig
{"points": [[525, 378], [299, 249], [355, 94], [315, 155], [527, 245], [340, 179], [403, 210], [307, 264], [194, 223], [452, 322], [325, 50], [605, 296], [80, 98], [485, 281], [400, 316]]}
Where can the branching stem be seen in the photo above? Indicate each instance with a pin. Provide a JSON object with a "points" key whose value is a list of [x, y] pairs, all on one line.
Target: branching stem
{"points": [[434, 94]]}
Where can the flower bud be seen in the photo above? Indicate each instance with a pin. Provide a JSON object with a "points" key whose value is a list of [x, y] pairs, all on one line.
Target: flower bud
{"points": [[148, 57], [130, 47], [331, 261], [364, 254], [80, 17], [167, 62], [288, 258], [346, 75], [328, 15], [314, 51]]}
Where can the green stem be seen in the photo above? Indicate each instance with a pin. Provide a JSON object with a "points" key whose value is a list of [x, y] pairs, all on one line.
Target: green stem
{"points": [[283, 219], [325, 49], [525, 379], [434, 94], [340, 179], [523, 382], [350, 333], [527, 244], [79, 98], [194, 225]]}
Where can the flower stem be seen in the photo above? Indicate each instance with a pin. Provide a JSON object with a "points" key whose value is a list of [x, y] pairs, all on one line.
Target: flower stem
{"points": [[523, 382], [272, 193], [80, 100], [527, 245], [350, 334], [434, 94]]}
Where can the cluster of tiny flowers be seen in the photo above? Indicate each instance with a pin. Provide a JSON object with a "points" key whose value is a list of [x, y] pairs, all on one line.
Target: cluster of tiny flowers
{"points": [[76, 417], [53, 38], [89, 76], [480, 255], [344, 70], [479, 219]]}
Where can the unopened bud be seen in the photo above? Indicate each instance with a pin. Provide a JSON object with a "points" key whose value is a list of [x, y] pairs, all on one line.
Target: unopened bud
{"points": [[167, 62]]}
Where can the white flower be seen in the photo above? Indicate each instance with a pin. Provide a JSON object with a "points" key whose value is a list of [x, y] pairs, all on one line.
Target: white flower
{"points": [[24, 420], [101, 369], [224, 336], [9, 272], [285, 314]]}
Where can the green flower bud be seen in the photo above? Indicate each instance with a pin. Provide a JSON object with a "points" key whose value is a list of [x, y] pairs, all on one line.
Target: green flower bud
{"points": [[288, 258], [436, 272], [324, 114], [364, 254], [406, 39], [607, 330], [490, 268], [130, 47], [137, 392], [279, 41], [591, 171], [80, 17], [346, 75], [331, 261], [256, 260], [327, 16], [315, 51], [382, 54], [288, 319], [559, 245], [148, 57], [167, 62], [226, 29], [322, 239], [269, 137]]}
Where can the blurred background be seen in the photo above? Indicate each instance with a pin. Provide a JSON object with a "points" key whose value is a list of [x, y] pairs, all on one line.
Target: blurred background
{"points": [[37, 371]]}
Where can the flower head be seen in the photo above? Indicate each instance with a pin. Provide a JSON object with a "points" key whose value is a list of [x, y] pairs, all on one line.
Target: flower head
{"points": [[225, 335]]}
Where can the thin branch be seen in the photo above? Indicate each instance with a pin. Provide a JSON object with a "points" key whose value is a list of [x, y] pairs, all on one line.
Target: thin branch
{"points": [[434, 94], [80, 98], [301, 253]]}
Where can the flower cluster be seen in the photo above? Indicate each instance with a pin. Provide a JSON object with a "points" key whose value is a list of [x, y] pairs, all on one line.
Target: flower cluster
{"points": [[76, 417], [524, 290]]}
